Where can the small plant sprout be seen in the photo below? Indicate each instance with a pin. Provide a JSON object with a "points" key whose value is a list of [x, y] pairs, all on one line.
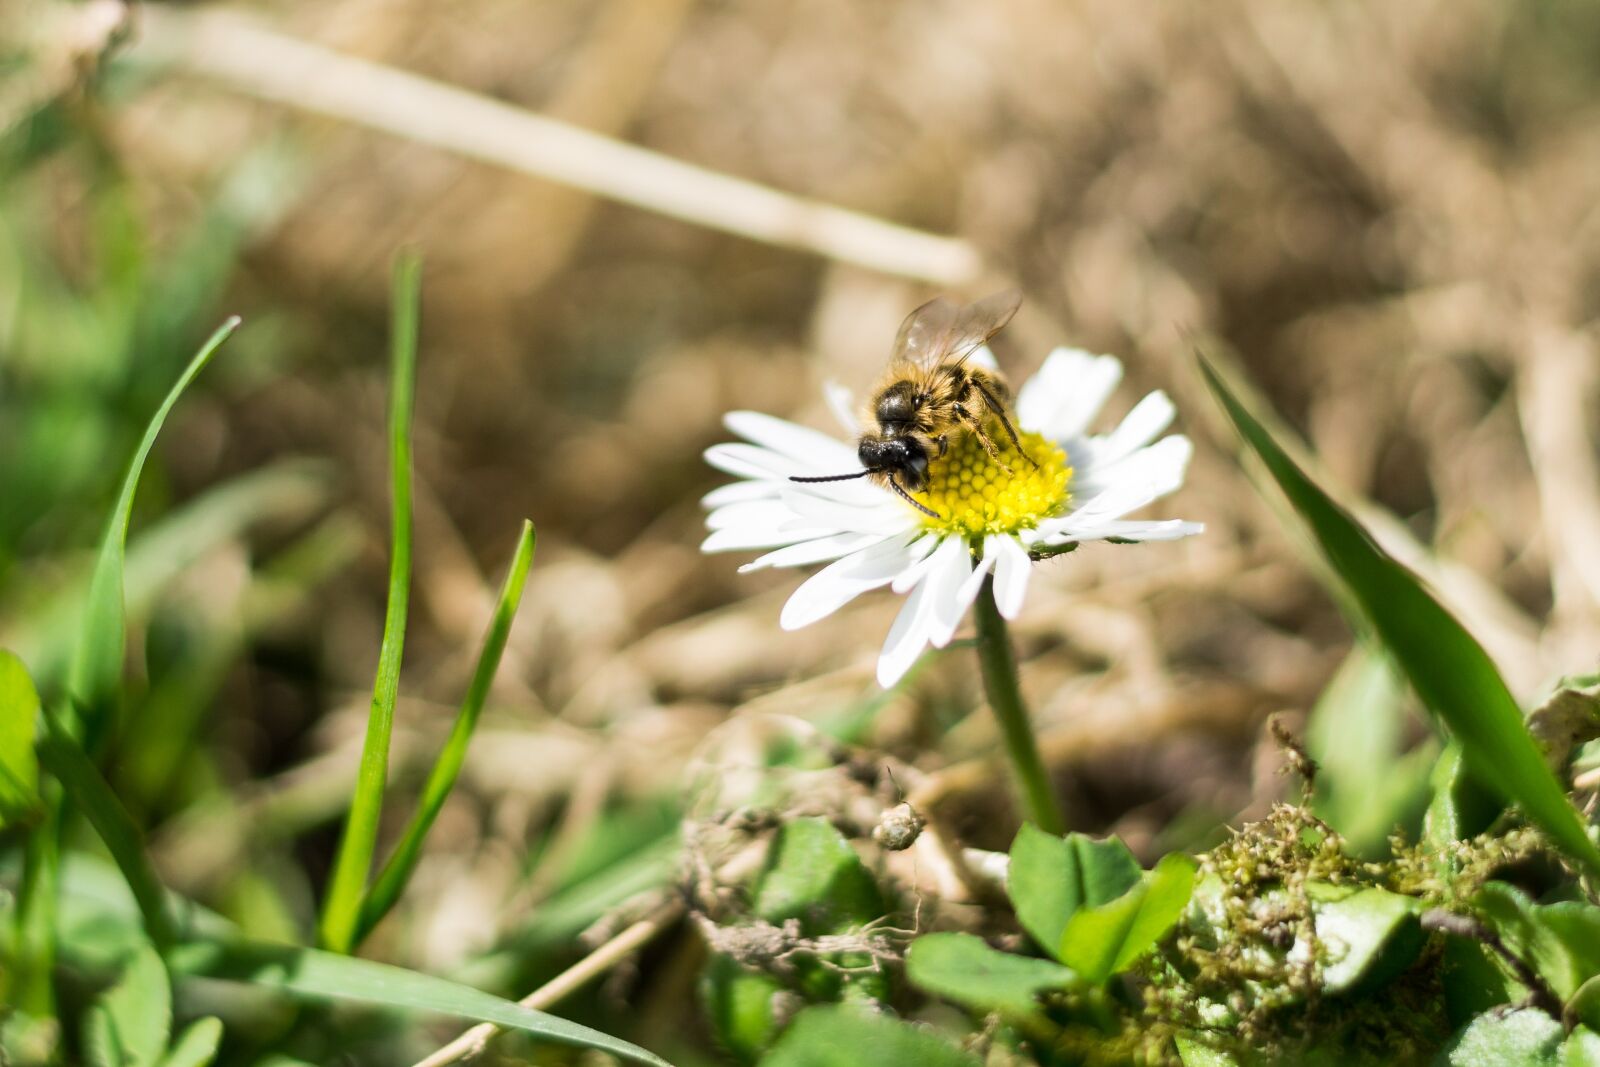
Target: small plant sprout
{"points": [[990, 508]]}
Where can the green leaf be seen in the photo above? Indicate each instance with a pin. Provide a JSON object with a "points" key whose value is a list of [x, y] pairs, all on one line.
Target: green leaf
{"points": [[965, 969], [19, 720], [1584, 1005], [1051, 877], [341, 911], [1520, 925], [1194, 1052], [1370, 936], [1582, 1049], [815, 876], [1560, 941], [129, 1024], [62, 757], [318, 975], [94, 677], [391, 880], [839, 1036], [1366, 783], [197, 1045], [1526, 1038], [1104, 939], [1460, 808], [740, 1004], [1472, 982], [1447, 667]]}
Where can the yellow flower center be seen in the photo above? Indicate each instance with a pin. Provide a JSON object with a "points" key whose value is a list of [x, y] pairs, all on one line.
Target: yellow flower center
{"points": [[974, 495]]}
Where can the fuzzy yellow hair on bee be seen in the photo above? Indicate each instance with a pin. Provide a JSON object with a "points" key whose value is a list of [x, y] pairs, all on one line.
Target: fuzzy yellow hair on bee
{"points": [[931, 394]]}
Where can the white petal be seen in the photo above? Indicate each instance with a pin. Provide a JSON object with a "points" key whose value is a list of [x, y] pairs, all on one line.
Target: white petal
{"points": [[876, 510], [759, 514], [1139, 427], [966, 593], [752, 461], [1011, 571], [907, 638], [1067, 392], [1131, 483], [791, 440], [1137, 530], [913, 575], [951, 571], [738, 492], [842, 581], [842, 403], [740, 538], [983, 356], [819, 550]]}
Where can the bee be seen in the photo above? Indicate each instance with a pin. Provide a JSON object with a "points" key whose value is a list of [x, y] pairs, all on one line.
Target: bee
{"points": [[931, 394]]}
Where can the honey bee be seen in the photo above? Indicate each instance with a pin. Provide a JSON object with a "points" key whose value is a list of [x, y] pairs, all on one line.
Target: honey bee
{"points": [[930, 395]]}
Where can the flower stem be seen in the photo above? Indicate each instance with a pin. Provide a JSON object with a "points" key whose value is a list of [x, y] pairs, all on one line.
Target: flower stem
{"points": [[1000, 683]]}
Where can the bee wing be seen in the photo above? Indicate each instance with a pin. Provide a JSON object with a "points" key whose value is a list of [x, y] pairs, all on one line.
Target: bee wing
{"points": [[941, 330]]}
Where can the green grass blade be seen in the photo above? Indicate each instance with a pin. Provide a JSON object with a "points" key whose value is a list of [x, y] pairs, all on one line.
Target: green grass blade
{"points": [[391, 880], [19, 719], [318, 975], [342, 908], [1446, 666], [63, 757], [94, 676], [31, 988]]}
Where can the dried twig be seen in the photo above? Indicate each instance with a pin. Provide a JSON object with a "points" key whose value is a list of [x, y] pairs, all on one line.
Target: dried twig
{"points": [[255, 60], [1540, 995], [471, 1043]]}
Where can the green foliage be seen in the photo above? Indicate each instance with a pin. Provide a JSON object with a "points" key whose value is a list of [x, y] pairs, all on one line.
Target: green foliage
{"points": [[840, 1036], [19, 720], [1367, 784], [964, 969], [316, 975], [813, 875], [742, 1006], [1471, 982], [94, 679], [1516, 1039], [62, 756], [391, 880], [1446, 666], [129, 1025], [1560, 941], [813, 885], [347, 886], [197, 1045], [1102, 940], [1459, 809], [1051, 877], [1377, 933]]}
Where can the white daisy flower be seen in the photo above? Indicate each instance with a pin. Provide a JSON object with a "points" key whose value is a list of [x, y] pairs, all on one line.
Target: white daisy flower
{"points": [[985, 520]]}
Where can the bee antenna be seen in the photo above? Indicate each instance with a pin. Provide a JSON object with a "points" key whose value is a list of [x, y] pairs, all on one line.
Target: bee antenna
{"points": [[913, 501], [831, 477], [893, 484]]}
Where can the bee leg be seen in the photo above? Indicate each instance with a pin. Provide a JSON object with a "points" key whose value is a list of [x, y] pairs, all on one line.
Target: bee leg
{"points": [[975, 424], [1000, 413], [944, 444]]}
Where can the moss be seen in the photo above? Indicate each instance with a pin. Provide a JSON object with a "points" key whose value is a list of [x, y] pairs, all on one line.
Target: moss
{"points": [[1246, 966]]}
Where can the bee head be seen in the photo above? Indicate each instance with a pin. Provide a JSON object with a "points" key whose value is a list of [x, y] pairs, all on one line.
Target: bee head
{"points": [[902, 456]]}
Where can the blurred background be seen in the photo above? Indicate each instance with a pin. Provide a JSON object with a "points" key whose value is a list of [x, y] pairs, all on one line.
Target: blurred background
{"points": [[1382, 215]]}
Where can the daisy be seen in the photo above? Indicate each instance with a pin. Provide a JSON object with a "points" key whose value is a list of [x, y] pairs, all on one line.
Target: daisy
{"points": [[979, 523]]}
